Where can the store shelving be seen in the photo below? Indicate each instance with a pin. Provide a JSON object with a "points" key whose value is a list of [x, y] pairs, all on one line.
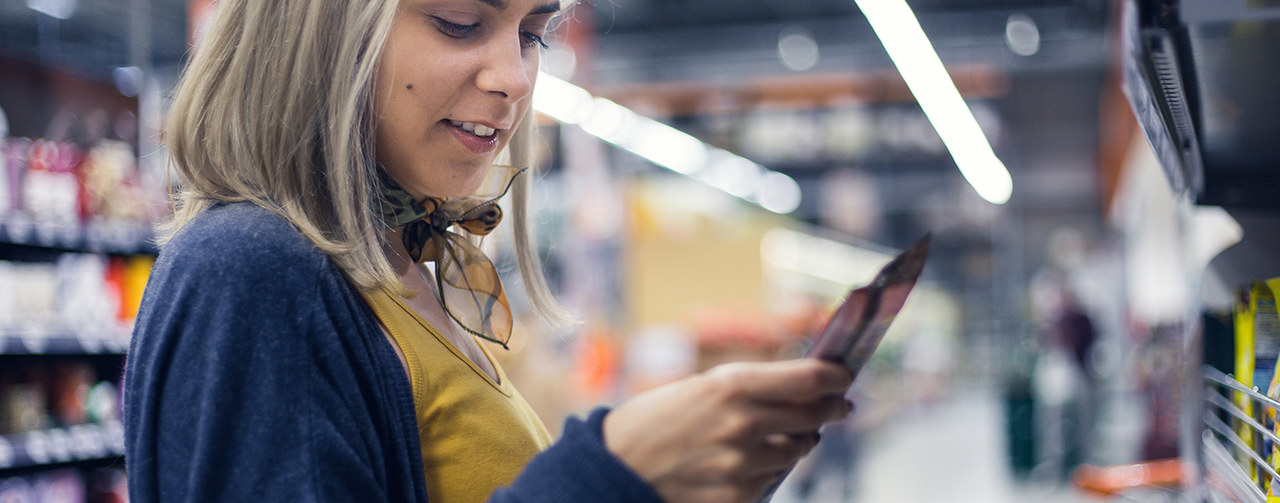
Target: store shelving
{"points": [[93, 237], [1249, 439], [1199, 76], [66, 342], [84, 442], [76, 244]]}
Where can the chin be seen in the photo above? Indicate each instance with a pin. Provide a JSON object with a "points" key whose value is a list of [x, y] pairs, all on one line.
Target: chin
{"points": [[466, 180]]}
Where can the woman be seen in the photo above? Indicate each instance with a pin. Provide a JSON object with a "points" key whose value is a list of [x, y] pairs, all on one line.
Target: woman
{"points": [[290, 346]]}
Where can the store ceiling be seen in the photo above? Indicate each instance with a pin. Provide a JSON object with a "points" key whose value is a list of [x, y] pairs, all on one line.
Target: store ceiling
{"points": [[99, 34], [1048, 108]]}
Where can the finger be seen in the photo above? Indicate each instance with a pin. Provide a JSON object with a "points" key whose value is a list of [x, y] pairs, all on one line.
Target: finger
{"points": [[799, 418], [791, 380], [777, 453]]}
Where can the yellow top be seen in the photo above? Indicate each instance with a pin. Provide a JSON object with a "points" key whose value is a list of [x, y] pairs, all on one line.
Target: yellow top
{"points": [[476, 434]]}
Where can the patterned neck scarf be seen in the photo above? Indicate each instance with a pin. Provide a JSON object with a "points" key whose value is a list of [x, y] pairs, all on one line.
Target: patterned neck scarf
{"points": [[466, 281]]}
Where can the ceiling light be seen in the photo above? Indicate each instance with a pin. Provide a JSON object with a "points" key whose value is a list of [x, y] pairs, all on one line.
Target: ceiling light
{"points": [[1022, 35], [797, 50], [561, 100], [665, 146], [900, 33], [779, 193]]}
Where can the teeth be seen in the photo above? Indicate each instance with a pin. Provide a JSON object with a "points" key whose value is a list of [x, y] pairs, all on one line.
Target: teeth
{"points": [[473, 128]]}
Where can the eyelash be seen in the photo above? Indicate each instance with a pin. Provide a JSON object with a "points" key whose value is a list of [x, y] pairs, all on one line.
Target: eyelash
{"points": [[455, 30], [533, 39]]}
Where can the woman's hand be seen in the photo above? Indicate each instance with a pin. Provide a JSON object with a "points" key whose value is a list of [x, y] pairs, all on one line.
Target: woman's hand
{"points": [[726, 434]]}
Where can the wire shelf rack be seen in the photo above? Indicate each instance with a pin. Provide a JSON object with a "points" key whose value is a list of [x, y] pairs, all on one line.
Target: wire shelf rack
{"points": [[1239, 437]]}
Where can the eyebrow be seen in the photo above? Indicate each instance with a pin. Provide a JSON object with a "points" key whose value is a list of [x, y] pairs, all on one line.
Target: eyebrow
{"points": [[547, 8]]}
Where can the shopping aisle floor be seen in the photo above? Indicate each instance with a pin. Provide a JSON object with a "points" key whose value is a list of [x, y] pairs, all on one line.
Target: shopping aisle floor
{"points": [[952, 451]]}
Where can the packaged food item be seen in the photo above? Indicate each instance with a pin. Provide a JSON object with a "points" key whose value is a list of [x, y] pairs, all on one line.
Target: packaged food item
{"points": [[1244, 367], [14, 166], [108, 485], [1266, 326], [64, 486], [6, 197], [50, 188], [17, 490], [69, 392], [1266, 334]]}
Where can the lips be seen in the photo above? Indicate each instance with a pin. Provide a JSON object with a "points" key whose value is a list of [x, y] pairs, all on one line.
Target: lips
{"points": [[478, 138]]}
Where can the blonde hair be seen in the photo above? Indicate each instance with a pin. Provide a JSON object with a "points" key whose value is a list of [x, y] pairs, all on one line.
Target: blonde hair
{"points": [[275, 108]]}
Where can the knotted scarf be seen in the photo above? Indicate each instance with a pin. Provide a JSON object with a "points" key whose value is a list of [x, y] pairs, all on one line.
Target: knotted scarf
{"points": [[467, 282]]}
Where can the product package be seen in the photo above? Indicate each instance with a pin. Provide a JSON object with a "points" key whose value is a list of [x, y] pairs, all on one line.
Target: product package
{"points": [[1257, 337], [856, 328], [1266, 334], [1244, 366], [859, 324]]}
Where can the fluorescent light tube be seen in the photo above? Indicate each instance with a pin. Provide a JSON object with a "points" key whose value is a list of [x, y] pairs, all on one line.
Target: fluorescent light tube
{"points": [[665, 146], [913, 55]]}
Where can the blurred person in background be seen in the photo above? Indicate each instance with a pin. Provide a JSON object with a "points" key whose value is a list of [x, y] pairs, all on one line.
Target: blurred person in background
{"points": [[293, 345], [1063, 379]]}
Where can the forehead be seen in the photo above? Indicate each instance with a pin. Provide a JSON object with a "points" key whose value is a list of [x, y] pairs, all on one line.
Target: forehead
{"points": [[532, 6]]}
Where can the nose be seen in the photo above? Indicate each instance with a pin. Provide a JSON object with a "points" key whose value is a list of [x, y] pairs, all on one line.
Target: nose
{"points": [[506, 70]]}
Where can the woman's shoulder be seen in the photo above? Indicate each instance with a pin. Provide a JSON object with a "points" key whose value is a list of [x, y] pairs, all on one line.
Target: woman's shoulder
{"points": [[236, 240]]}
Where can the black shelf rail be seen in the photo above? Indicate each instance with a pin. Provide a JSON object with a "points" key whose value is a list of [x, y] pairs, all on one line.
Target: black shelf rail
{"points": [[63, 343], [71, 444], [91, 237]]}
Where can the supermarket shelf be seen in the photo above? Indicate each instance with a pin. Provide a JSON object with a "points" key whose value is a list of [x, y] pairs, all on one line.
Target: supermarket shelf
{"points": [[62, 344], [98, 237], [1236, 455], [86, 442], [1225, 476]]}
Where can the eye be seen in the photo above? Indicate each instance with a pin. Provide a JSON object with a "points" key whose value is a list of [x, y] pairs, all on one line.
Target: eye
{"points": [[530, 39], [455, 30]]}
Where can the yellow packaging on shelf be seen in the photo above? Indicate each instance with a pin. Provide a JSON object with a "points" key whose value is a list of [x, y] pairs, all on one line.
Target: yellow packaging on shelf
{"points": [[1243, 317], [1266, 327], [136, 272]]}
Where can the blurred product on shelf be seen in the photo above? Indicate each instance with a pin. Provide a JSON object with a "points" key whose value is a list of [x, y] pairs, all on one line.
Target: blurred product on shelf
{"points": [[69, 392], [735, 335], [22, 406], [50, 189], [87, 297], [54, 193], [42, 394], [1257, 344], [66, 485], [6, 197]]}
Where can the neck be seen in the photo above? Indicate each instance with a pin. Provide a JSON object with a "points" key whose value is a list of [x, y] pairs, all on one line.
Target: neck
{"points": [[397, 255]]}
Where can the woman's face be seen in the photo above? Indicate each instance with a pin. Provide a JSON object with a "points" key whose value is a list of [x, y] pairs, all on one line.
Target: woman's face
{"points": [[454, 81]]}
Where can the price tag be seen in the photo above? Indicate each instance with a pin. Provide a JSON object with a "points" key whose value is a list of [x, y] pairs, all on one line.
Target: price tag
{"points": [[20, 227], [113, 436], [59, 445], [46, 233], [93, 236], [69, 235], [7, 456], [36, 445], [89, 343], [34, 340], [121, 236], [87, 442]]}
